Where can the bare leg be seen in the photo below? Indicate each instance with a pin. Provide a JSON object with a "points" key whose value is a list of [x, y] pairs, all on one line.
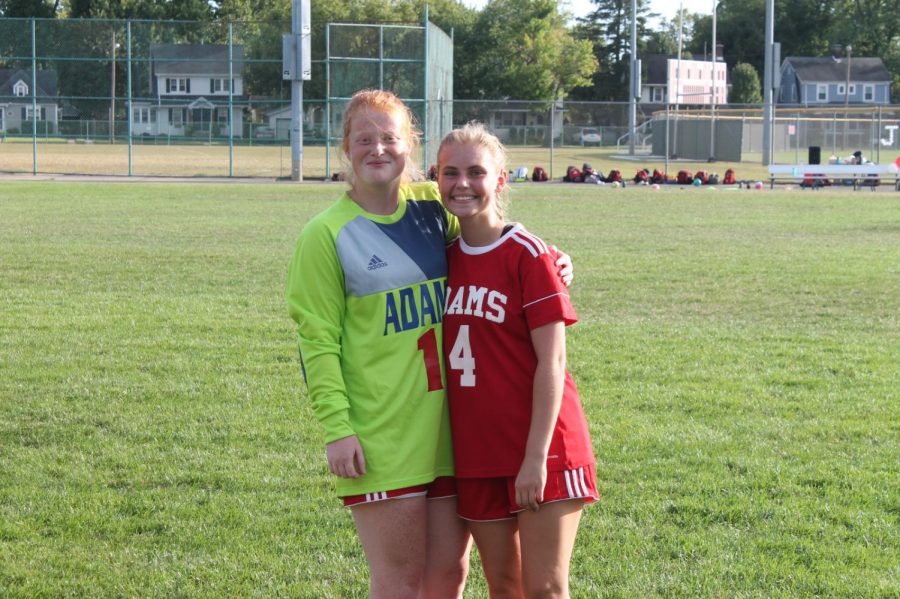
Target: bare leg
{"points": [[447, 553], [548, 537], [392, 534], [498, 545]]}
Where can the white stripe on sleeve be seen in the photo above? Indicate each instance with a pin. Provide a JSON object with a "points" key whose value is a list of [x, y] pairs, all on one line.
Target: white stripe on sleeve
{"points": [[542, 247], [528, 245], [540, 299]]}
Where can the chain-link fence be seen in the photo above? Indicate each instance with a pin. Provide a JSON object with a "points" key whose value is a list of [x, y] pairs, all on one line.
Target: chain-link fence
{"points": [[208, 99], [799, 135]]}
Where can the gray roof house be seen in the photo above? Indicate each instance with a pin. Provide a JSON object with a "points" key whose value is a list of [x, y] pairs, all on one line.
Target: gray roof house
{"points": [[16, 93], [816, 81], [190, 87]]}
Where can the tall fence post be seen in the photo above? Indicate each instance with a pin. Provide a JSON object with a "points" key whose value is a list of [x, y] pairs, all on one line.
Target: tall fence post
{"points": [[34, 167], [327, 101], [129, 98], [230, 101], [552, 134], [833, 134], [876, 139]]}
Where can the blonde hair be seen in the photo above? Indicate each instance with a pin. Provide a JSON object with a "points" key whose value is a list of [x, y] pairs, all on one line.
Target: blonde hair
{"points": [[384, 102], [476, 134]]}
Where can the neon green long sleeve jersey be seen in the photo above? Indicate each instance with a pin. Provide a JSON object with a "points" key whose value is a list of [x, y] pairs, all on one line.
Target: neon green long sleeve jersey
{"points": [[367, 293]]}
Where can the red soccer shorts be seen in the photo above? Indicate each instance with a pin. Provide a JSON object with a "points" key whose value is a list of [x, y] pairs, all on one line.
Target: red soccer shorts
{"points": [[486, 499], [442, 486]]}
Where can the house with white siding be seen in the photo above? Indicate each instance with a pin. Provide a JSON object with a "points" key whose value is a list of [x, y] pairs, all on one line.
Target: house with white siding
{"points": [[190, 85], [21, 100]]}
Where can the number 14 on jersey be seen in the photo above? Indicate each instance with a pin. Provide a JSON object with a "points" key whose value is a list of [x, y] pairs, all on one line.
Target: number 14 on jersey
{"points": [[460, 358]]}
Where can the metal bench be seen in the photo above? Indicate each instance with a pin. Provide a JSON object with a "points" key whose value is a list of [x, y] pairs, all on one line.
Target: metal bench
{"points": [[862, 175]]}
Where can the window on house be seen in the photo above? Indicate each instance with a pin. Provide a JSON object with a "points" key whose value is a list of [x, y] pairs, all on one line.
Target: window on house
{"points": [[28, 113], [222, 116], [868, 93], [657, 95], [852, 89], [177, 86], [218, 86], [822, 93], [144, 115], [176, 117], [20, 89]]}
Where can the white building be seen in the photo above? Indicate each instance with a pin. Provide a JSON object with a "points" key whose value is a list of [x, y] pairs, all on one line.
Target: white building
{"points": [[684, 82]]}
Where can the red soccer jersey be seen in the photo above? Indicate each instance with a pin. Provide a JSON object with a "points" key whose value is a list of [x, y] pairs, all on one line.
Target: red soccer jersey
{"points": [[495, 296]]}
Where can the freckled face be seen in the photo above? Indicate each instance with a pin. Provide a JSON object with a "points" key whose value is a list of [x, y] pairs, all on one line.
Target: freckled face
{"points": [[378, 147], [469, 181]]}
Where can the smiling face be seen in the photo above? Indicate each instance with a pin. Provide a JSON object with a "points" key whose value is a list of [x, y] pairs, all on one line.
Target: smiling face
{"points": [[470, 181], [377, 146]]}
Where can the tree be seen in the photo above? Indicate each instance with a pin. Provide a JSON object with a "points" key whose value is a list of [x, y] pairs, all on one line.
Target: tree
{"points": [[522, 49], [41, 9], [608, 28], [745, 88], [183, 10], [666, 40]]}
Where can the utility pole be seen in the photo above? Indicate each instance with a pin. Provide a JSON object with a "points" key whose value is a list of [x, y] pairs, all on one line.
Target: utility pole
{"points": [[768, 77], [297, 68]]}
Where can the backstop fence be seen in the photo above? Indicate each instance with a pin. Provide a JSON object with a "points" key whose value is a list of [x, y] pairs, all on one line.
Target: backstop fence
{"points": [[184, 99]]}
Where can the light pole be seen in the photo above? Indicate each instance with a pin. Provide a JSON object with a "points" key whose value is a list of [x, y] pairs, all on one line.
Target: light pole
{"points": [[678, 74]]}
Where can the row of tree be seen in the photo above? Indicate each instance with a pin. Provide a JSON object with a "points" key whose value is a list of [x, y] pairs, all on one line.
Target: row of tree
{"points": [[529, 50]]}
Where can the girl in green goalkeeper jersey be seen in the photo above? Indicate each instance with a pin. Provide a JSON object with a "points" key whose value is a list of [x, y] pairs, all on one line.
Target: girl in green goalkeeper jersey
{"points": [[366, 288]]}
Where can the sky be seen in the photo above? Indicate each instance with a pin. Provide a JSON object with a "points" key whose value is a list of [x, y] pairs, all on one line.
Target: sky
{"points": [[667, 8]]}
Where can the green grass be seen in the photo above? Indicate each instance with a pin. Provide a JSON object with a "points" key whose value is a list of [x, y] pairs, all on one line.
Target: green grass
{"points": [[737, 357]]}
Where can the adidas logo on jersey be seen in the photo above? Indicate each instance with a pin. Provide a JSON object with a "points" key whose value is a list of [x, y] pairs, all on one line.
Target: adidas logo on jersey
{"points": [[375, 263]]}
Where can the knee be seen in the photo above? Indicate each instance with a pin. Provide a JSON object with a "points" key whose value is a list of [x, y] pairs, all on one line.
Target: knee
{"points": [[505, 586], [551, 588], [398, 584], [447, 581], [397, 579]]}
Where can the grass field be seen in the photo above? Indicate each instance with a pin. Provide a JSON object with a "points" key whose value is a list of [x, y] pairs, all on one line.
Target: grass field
{"points": [[737, 356], [272, 161]]}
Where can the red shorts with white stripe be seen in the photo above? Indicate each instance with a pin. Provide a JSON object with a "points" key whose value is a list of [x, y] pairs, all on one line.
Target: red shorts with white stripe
{"points": [[486, 499], [442, 486]]}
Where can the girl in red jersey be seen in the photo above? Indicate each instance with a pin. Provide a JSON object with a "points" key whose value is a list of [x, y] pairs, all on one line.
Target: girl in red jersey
{"points": [[372, 364], [524, 462]]}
